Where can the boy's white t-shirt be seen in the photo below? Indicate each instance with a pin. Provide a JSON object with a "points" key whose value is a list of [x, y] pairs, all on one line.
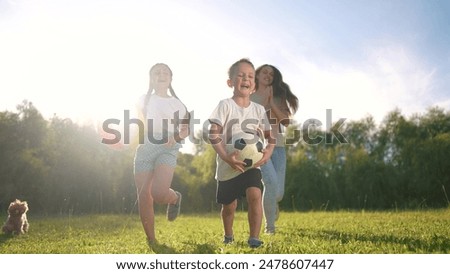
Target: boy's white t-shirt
{"points": [[161, 111], [234, 120]]}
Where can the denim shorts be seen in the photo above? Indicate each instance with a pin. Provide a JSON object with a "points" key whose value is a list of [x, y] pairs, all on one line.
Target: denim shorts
{"points": [[149, 155]]}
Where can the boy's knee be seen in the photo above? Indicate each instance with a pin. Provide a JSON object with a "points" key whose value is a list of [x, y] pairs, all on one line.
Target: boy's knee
{"points": [[253, 192], [229, 208], [254, 201]]}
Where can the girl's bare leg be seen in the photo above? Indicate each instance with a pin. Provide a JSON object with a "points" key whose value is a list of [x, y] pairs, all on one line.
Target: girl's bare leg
{"points": [[162, 180], [143, 183]]}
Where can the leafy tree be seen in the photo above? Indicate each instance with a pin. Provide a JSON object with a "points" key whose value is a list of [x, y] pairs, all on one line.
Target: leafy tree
{"points": [[61, 167]]}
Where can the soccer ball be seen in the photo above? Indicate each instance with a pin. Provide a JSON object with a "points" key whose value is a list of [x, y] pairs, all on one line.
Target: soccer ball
{"points": [[250, 148]]}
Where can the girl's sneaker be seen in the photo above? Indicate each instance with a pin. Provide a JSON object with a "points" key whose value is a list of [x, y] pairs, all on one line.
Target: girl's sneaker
{"points": [[174, 210], [254, 243]]}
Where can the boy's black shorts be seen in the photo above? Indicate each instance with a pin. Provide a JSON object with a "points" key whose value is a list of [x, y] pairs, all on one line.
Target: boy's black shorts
{"points": [[230, 190]]}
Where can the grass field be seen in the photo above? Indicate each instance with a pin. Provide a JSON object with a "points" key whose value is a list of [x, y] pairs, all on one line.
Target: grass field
{"points": [[417, 232]]}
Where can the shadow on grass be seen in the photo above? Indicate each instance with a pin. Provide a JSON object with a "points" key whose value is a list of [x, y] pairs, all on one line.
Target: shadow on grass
{"points": [[198, 249], [437, 244], [5, 237], [204, 249], [162, 249]]}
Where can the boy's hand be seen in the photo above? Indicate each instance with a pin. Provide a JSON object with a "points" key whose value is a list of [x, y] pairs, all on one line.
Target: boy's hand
{"points": [[235, 163], [267, 153], [219, 146]]}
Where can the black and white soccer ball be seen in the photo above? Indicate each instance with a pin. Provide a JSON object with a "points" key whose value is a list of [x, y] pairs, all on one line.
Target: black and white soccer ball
{"points": [[250, 147]]}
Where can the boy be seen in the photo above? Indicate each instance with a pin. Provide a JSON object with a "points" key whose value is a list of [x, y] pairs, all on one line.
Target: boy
{"points": [[231, 117]]}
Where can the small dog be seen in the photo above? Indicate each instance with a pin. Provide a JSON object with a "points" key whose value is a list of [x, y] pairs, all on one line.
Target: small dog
{"points": [[17, 222]]}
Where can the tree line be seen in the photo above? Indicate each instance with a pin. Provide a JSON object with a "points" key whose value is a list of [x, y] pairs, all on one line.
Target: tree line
{"points": [[61, 167]]}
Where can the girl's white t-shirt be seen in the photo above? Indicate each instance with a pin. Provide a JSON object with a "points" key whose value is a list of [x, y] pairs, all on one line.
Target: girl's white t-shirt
{"points": [[162, 112]]}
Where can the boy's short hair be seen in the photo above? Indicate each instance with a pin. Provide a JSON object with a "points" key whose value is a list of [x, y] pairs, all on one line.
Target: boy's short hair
{"points": [[234, 66]]}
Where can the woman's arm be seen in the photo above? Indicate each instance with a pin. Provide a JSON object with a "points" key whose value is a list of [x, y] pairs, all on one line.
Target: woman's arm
{"points": [[279, 112]]}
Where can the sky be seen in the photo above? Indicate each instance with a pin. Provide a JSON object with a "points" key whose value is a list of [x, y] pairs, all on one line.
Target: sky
{"points": [[88, 60]]}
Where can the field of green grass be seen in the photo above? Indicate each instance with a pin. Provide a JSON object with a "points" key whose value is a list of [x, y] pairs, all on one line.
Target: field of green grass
{"points": [[410, 232]]}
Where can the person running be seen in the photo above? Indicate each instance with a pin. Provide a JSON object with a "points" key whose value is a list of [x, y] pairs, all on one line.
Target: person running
{"points": [[280, 103], [156, 158], [234, 181]]}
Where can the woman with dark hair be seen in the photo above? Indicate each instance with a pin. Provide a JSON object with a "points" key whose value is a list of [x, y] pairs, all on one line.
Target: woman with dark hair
{"points": [[280, 103]]}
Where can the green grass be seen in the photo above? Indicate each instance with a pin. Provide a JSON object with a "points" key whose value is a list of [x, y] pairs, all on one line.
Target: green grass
{"points": [[418, 232]]}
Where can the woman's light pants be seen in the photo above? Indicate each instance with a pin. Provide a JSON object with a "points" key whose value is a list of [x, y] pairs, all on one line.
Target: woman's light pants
{"points": [[273, 175]]}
